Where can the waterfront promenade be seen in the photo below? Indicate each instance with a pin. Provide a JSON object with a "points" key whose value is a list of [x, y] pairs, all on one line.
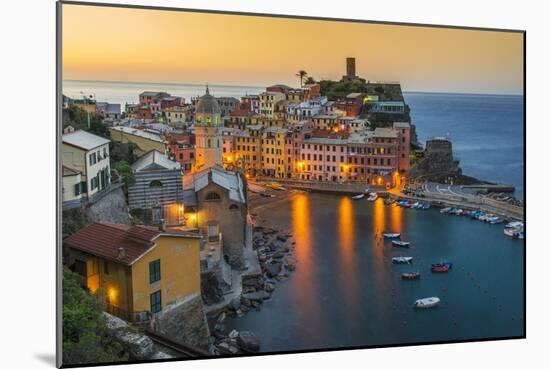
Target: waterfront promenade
{"points": [[464, 200], [435, 194], [352, 188]]}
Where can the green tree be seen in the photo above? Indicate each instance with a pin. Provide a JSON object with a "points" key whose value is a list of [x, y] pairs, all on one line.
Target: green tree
{"points": [[78, 118], [301, 74], [122, 152], [124, 170], [86, 338], [310, 80]]}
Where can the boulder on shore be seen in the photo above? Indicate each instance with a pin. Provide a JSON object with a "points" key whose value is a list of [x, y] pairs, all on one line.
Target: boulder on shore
{"points": [[257, 296], [272, 269], [248, 342]]}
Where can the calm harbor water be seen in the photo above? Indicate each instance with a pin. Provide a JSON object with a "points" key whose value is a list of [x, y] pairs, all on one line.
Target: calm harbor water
{"points": [[346, 292], [486, 130]]}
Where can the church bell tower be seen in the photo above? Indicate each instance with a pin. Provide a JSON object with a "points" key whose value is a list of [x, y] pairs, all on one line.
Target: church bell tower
{"points": [[208, 139]]}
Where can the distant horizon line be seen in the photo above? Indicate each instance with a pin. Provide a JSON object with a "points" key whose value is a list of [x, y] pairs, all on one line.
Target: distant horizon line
{"points": [[263, 87]]}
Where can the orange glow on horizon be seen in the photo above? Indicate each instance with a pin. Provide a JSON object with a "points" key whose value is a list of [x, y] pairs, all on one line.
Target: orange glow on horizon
{"points": [[124, 44]]}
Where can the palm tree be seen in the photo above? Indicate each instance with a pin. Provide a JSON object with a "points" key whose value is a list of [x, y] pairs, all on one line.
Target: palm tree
{"points": [[301, 74]]}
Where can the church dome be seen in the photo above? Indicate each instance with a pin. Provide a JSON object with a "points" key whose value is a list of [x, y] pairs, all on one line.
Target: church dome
{"points": [[208, 104]]}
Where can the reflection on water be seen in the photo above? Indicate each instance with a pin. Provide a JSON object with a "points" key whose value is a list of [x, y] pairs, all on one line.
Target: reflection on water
{"points": [[378, 228], [305, 281], [346, 232], [396, 213], [302, 229]]}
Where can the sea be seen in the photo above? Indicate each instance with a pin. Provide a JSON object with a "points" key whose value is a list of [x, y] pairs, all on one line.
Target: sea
{"points": [[487, 131], [345, 291]]}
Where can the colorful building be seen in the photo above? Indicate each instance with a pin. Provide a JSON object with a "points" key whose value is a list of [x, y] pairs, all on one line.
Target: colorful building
{"points": [[181, 148], [88, 155], [137, 271]]}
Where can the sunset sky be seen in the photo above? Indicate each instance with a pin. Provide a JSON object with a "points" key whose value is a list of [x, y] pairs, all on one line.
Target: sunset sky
{"points": [[118, 44]]}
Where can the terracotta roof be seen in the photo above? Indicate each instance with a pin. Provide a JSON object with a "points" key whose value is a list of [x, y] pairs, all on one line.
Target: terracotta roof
{"points": [[105, 239], [322, 133]]}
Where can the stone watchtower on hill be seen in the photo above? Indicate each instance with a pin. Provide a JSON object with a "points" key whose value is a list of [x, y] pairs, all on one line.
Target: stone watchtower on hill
{"points": [[208, 145], [350, 67], [438, 161], [350, 70]]}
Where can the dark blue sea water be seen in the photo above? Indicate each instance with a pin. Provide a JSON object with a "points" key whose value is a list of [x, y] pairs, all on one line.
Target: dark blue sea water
{"points": [[346, 292], [486, 131]]}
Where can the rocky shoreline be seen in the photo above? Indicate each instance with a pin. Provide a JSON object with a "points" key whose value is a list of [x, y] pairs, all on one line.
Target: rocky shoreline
{"points": [[275, 249]]}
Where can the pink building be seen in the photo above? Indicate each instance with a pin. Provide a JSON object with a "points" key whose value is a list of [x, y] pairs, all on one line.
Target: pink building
{"points": [[323, 156]]}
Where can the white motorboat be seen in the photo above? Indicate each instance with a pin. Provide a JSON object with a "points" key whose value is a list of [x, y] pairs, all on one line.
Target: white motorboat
{"points": [[401, 243], [445, 210], [402, 259], [372, 196], [358, 197], [428, 302], [514, 232], [515, 224], [392, 235]]}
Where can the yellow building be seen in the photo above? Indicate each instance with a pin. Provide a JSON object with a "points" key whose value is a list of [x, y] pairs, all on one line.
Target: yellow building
{"points": [[248, 145], [267, 102], [144, 140], [137, 271], [273, 152], [177, 116]]}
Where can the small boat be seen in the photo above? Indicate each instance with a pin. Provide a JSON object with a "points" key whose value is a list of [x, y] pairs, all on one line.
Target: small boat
{"points": [[392, 235], [402, 259], [428, 302], [425, 206], [511, 232], [400, 243], [440, 269], [358, 197], [496, 220], [409, 276], [517, 232], [475, 214], [446, 263], [372, 196], [276, 186], [389, 202], [445, 210], [514, 224]]}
